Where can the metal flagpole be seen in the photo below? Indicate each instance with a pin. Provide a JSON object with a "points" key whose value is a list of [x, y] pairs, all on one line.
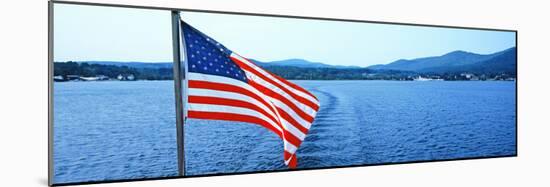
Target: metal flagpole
{"points": [[178, 86]]}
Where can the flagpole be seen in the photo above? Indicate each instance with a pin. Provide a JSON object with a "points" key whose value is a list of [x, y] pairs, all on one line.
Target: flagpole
{"points": [[178, 86]]}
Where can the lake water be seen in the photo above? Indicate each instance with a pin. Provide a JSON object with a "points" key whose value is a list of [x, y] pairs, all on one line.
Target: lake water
{"points": [[126, 130]]}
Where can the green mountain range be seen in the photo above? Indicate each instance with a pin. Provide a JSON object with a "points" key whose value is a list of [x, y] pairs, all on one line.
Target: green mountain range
{"points": [[458, 61], [447, 66]]}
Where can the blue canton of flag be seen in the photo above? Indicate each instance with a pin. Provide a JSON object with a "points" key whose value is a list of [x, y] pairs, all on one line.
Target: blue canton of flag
{"points": [[207, 56]]}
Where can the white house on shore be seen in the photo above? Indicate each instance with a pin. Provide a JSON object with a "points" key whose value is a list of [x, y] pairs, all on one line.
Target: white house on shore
{"points": [[130, 77]]}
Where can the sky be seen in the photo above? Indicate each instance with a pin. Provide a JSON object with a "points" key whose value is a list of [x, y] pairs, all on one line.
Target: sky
{"points": [[83, 33]]}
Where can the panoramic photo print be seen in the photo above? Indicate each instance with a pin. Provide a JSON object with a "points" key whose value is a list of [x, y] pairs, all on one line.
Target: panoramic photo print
{"points": [[143, 93]]}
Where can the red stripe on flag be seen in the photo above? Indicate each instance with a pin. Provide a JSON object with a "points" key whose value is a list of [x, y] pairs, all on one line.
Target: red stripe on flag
{"points": [[292, 139], [292, 94], [293, 159]]}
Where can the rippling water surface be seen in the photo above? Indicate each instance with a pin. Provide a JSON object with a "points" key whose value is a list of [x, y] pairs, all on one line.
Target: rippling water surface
{"points": [[126, 130]]}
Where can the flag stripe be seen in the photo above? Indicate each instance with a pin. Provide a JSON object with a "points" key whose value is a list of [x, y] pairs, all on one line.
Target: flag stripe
{"points": [[293, 85], [275, 89], [233, 103], [270, 76], [231, 85], [203, 111], [292, 129], [232, 95], [281, 106], [276, 86], [240, 114], [291, 120], [232, 117], [227, 87], [290, 159], [277, 96], [236, 89], [204, 96], [292, 139], [290, 147]]}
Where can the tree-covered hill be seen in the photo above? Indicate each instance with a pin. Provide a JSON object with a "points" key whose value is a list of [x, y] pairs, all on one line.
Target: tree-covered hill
{"points": [[112, 71]]}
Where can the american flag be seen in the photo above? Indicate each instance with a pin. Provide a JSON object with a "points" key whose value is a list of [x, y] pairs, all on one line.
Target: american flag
{"points": [[225, 86]]}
